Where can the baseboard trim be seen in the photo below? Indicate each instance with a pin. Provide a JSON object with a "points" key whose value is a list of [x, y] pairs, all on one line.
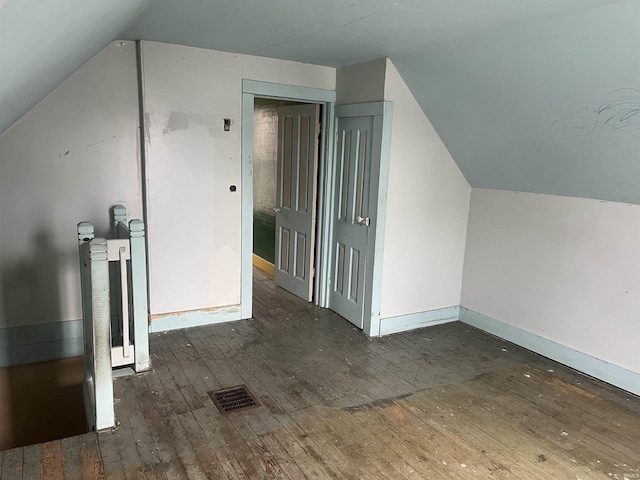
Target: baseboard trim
{"points": [[264, 265], [194, 318], [403, 323], [40, 343], [592, 366]]}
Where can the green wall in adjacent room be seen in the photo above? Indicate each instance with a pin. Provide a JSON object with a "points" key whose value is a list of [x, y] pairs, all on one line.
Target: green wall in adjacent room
{"points": [[264, 235]]}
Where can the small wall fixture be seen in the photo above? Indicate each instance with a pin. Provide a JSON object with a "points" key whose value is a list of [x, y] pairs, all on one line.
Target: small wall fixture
{"points": [[227, 124]]}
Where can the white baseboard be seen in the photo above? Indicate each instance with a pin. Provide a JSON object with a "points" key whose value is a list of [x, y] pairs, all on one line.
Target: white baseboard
{"points": [[592, 366], [194, 318], [402, 323], [40, 343]]}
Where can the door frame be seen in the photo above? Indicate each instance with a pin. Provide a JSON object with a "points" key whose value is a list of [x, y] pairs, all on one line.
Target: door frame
{"points": [[326, 195], [326, 98]]}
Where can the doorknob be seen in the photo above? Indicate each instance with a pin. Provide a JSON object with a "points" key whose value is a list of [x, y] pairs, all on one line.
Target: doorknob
{"points": [[363, 220], [276, 210]]}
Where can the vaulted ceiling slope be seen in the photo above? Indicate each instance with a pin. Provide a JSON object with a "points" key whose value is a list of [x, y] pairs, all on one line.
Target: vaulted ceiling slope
{"points": [[530, 95], [42, 42]]}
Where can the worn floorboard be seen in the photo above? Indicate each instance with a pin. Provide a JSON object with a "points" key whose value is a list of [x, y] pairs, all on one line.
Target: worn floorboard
{"points": [[446, 402]]}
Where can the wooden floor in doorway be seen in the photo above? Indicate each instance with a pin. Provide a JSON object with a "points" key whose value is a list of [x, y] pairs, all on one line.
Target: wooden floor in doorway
{"points": [[445, 402]]}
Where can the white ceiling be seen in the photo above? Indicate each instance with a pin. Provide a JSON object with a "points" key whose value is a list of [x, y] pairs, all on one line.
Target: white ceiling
{"points": [[503, 81]]}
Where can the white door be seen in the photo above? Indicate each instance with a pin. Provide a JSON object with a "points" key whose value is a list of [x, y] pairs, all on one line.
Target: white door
{"points": [[298, 131], [351, 216]]}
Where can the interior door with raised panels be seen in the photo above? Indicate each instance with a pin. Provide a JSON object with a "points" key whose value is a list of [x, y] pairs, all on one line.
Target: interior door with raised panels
{"points": [[298, 131], [351, 217]]}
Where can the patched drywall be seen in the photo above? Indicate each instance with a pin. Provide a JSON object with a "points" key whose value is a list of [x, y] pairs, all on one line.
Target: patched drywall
{"points": [[194, 168], [566, 269]]}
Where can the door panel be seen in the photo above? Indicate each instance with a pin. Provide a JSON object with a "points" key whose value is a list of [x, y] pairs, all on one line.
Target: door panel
{"points": [[298, 131], [351, 217]]}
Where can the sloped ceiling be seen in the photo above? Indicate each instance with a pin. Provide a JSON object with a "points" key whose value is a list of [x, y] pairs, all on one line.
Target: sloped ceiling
{"points": [[529, 95], [42, 42]]}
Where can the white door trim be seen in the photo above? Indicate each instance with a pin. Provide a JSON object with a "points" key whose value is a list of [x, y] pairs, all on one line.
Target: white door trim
{"points": [[251, 89]]}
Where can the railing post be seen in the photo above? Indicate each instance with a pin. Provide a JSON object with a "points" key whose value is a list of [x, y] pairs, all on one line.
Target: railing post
{"points": [[139, 293], [119, 216], [101, 313], [85, 235], [85, 232]]}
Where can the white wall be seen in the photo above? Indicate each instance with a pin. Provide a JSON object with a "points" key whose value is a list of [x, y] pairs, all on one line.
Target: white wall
{"points": [[427, 208], [566, 269], [194, 219], [69, 159]]}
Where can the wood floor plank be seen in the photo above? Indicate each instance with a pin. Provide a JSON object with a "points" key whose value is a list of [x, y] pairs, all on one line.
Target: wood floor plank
{"points": [[521, 425], [126, 444], [131, 409], [32, 462], [253, 465], [304, 459], [177, 457], [92, 464], [352, 459], [457, 421], [154, 411], [444, 402], [205, 453], [113, 468], [210, 429], [410, 457], [580, 431], [52, 462], [72, 463], [477, 451], [574, 405], [11, 467]]}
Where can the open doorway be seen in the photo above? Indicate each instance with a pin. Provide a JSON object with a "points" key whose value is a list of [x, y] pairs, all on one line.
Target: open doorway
{"points": [[325, 101], [286, 159], [350, 218]]}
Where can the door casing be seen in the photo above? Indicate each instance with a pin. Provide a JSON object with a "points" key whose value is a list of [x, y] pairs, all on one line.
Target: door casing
{"points": [[326, 177]]}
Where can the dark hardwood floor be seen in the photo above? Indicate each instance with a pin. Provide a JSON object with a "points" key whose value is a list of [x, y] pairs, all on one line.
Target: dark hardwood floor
{"points": [[444, 402]]}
